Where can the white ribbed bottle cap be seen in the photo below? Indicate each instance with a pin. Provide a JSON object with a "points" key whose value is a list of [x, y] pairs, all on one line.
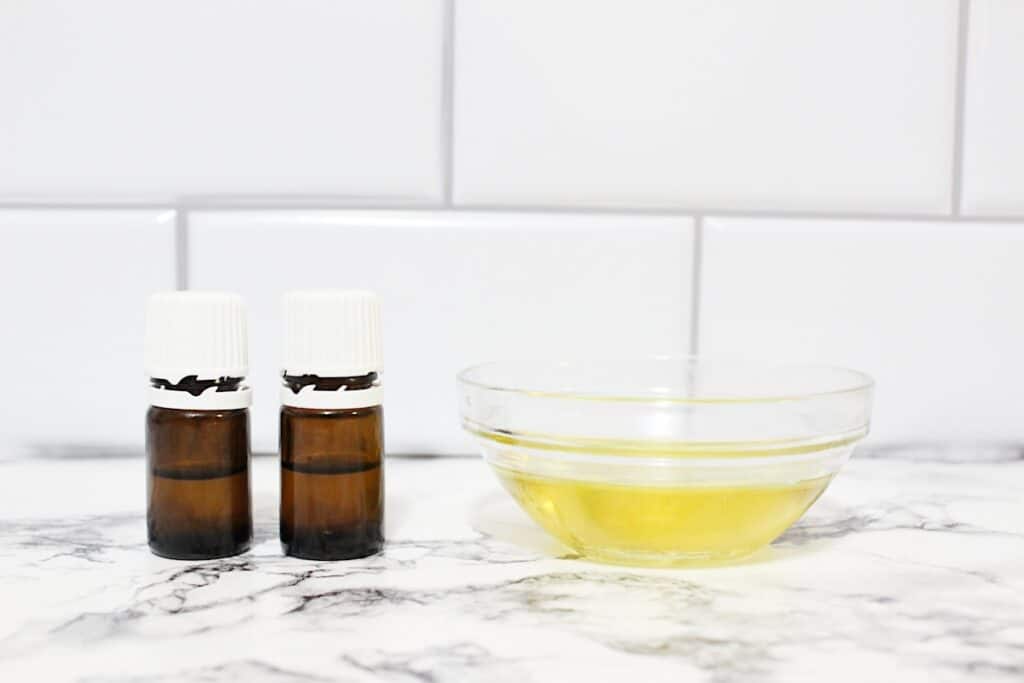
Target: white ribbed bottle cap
{"points": [[201, 334], [331, 333]]}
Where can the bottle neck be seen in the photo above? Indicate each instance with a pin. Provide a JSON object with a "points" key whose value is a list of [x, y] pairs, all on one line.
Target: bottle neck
{"points": [[310, 390], [192, 392]]}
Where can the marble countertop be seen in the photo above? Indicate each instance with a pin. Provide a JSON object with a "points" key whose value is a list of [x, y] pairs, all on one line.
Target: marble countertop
{"points": [[910, 568]]}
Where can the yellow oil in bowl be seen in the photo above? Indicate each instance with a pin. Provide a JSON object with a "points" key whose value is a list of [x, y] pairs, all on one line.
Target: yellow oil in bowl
{"points": [[660, 525], [664, 461], [635, 516]]}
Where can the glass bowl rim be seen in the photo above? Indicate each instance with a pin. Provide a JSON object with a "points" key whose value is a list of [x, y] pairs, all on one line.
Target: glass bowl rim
{"points": [[860, 381]]}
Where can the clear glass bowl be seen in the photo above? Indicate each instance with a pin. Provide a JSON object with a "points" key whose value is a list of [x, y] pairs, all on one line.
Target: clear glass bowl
{"points": [[664, 461]]}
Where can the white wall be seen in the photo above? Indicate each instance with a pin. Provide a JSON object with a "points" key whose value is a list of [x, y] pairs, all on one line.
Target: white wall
{"points": [[838, 181]]}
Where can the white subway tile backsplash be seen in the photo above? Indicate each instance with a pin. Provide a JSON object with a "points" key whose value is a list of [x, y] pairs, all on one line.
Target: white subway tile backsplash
{"points": [[932, 311], [116, 98], [791, 105], [456, 289], [734, 107], [994, 137], [75, 285]]}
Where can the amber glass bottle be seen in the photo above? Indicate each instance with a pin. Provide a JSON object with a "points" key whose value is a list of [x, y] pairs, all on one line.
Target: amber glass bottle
{"points": [[332, 430], [197, 427]]}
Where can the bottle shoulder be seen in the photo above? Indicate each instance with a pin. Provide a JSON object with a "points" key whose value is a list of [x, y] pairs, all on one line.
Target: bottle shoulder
{"points": [[159, 414], [293, 411]]}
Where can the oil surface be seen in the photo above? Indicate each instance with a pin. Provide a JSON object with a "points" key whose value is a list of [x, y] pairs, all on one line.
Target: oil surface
{"points": [[332, 515], [199, 517], [637, 524]]}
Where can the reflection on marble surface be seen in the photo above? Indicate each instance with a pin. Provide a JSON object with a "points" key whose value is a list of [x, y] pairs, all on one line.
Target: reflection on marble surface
{"points": [[909, 569]]}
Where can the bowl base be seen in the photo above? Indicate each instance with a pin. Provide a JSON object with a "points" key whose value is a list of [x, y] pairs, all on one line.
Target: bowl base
{"points": [[663, 560]]}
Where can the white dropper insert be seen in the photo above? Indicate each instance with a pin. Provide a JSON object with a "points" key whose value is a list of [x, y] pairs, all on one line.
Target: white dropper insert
{"points": [[202, 334], [331, 333]]}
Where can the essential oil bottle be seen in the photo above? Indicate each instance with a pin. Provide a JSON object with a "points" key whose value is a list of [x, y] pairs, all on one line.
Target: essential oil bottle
{"points": [[197, 428], [332, 429]]}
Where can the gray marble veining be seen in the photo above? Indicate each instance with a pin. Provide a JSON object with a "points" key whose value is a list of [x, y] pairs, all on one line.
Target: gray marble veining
{"points": [[910, 568]]}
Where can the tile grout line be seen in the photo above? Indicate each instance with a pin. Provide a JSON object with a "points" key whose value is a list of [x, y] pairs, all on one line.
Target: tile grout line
{"points": [[181, 248], [959, 105], [697, 266], [693, 211], [342, 204], [448, 103]]}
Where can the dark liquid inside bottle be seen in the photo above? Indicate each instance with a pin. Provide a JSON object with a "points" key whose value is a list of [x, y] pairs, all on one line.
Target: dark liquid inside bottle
{"points": [[332, 482], [198, 491]]}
